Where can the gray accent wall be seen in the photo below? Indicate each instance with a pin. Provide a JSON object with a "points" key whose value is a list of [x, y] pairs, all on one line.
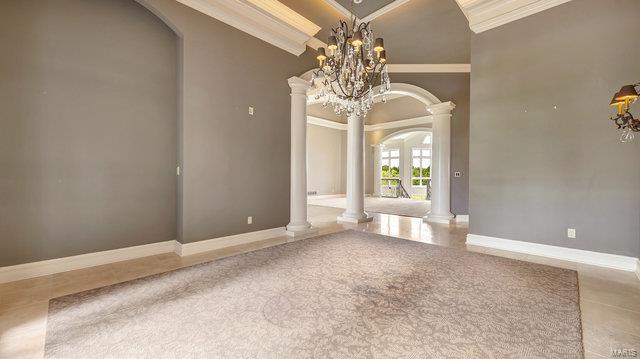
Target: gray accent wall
{"points": [[88, 117], [100, 100], [544, 155], [234, 165]]}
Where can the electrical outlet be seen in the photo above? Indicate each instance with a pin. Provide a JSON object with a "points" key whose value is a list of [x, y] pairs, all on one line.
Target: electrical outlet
{"points": [[571, 233], [250, 220], [457, 174], [251, 110]]}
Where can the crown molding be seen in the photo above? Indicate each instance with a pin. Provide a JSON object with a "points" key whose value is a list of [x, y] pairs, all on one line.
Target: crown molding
{"points": [[343, 10], [374, 15], [268, 20], [429, 68], [484, 15], [417, 121], [315, 43], [281, 12], [312, 120], [385, 9]]}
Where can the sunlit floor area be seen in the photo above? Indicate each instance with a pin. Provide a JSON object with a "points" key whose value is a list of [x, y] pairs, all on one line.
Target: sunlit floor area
{"points": [[609, 299], [407, 207]]}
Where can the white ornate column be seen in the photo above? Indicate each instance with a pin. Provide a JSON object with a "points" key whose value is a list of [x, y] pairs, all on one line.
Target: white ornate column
{"points": [[355, 172], [298, 224], [377, 149], [441, 164]]}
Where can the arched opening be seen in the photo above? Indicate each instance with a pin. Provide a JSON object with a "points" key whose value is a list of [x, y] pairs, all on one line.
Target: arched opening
{"points": [[398, 156], [362, 142]]}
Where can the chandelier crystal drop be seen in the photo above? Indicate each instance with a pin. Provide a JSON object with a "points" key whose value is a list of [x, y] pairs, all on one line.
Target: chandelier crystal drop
{"points": [[351, 67]]}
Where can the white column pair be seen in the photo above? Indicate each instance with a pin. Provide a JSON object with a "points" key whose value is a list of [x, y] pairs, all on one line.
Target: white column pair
{"points": [[299, 224]]}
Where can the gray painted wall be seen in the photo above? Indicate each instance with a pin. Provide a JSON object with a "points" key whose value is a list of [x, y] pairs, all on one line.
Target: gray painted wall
{"points": [[537, 170], [326, 160], [234, 165], [100, 100], [87, 128]]}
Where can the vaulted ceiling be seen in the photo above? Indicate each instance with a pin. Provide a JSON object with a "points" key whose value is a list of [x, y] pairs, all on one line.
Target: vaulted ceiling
{"points": [[415, 31]]}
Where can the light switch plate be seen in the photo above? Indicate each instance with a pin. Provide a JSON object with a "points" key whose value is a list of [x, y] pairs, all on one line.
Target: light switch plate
{"points": [[571, 233], [251, 110], [250, 220]]}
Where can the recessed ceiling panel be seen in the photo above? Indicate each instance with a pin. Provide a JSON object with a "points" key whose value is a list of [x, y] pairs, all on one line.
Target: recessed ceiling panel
{"points": [[366, 7]]}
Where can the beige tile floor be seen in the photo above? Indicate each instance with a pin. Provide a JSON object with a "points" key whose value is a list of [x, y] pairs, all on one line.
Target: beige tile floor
{"points": [[610, 300]]}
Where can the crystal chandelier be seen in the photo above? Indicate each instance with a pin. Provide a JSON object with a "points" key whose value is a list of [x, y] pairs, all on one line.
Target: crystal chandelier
{"points": [[625, 120], [353, 65]]}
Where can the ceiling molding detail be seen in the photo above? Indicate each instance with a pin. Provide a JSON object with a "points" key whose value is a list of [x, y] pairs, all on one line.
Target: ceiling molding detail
{"points": [[315, 44], [268, 20], [312, 120], [343, 10], [417, 121], [428, 68], [488, 14], [374, 15]]}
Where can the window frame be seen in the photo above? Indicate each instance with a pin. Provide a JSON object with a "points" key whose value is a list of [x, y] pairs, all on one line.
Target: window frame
{"points": [[382, 158], [421, 157]]}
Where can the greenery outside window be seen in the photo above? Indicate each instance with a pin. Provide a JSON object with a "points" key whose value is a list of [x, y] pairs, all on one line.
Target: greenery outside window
{"points": [[390, 160], [420, 167]]}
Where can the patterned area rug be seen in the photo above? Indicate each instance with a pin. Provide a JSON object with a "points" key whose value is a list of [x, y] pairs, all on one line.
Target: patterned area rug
{"points": [[344, 295]]}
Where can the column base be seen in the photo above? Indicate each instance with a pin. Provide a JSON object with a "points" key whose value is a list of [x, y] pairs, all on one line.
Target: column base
{"points": [[302, 234], [301, 230], [446, 218], [349, 218]]}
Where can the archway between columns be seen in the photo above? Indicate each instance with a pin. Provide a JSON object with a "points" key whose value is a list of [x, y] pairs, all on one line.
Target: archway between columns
{"points": [[440, 115]]}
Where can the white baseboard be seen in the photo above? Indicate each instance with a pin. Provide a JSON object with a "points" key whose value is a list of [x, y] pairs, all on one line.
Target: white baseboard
{"points": [[462, 218], [606, 260], [186, 249], [638, 269], [58, 265]]}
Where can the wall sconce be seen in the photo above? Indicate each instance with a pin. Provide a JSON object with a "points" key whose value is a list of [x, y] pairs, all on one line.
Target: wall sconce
{"points": [[625, 120]]}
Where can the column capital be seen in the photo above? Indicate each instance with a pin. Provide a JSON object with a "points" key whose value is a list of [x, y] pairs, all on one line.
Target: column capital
{"points": [[443, 108], [298, 85]]}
